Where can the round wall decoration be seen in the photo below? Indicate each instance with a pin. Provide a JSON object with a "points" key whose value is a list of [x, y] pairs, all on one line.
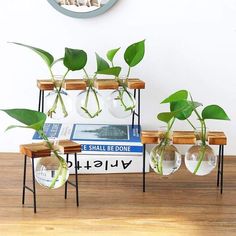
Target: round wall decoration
{"points": [[82, 8]]}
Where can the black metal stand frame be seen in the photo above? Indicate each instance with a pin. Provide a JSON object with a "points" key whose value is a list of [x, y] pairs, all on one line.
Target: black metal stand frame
{"points": [[33, 182], [41, 101], [76, 180], [137, 114], [220, 171]]}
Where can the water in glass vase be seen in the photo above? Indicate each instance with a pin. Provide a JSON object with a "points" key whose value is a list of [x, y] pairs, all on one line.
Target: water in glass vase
{"points": [[89, 103], [50, 172], [62, 103], [200, 160], [121, 103], [165, 159]]}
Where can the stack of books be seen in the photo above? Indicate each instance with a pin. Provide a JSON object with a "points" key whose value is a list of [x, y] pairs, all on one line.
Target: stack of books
{"points": [[105, 148]]}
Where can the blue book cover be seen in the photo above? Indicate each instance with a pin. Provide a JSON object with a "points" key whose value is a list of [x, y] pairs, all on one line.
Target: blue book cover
{"points": [[98, 138]]}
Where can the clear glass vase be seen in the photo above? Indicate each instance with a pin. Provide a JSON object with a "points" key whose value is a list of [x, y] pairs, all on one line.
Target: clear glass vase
{"points": [[58, 104], [89, 103], [200, 159], [51, 172], [121, 103], [165, 158]]}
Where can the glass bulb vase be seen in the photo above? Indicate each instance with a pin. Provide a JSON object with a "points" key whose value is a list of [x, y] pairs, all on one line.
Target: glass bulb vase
{"points": [[165, 158], [58, 104], [200, 159], [51, 172], [89, 103], [121, 103]]}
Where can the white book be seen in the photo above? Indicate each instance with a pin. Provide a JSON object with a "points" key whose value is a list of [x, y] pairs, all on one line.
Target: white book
{"points": [[106, 164]]}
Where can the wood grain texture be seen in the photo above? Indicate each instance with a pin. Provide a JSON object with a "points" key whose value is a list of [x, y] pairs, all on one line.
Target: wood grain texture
{"points": [[80, 84], [106, 84], [75, 84], [35, 150], [183, 137], [68, 146], [181, 204], [136, 84]]}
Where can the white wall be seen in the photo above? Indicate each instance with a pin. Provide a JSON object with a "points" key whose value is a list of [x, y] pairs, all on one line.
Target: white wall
{"points": [[191, 44]]}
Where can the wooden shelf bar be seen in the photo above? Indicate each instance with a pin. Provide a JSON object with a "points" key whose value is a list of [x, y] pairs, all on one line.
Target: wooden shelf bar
{"points": [[79, 84], [41, 149], [35, 150], [183, 137]]}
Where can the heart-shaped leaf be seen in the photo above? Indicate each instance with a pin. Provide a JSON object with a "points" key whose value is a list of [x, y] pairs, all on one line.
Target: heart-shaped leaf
{"points": [[111, 54], [135, 53], [111, 71], [32, 119], [75, 59], [182, 109], [101, 63], [214, 112], [46, 56], [179, 95], [165, 116]]}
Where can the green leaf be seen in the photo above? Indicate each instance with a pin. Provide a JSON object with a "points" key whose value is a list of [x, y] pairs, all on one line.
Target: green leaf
{"points": [[135, 53], [101, 63], [46, 56], [179, 95], [111, 54], [165, 116], [32, 119], [214, 112], [75, 59], [111, 71], [182, 109]]}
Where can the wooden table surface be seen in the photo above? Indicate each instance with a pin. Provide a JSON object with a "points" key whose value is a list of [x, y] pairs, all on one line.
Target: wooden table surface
{"points": [[114, 204]]}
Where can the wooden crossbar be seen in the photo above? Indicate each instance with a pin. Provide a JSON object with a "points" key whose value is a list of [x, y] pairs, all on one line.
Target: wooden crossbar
{"points": [[41, 149], [80, 84], [183, 137]]}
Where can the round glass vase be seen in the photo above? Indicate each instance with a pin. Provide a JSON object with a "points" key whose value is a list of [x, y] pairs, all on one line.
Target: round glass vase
{"points": [[51, 172], [89, 103], [165, 158], [121, 103], [200, 159], [57, 102]]}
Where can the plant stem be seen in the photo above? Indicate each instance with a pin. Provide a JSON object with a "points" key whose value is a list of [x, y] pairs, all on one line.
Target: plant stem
{"points": [[164, 142], [191, 124], [90, 84], [63, 165], [58, 96]]}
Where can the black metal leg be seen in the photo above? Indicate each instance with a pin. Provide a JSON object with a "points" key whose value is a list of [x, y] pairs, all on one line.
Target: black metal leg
{"points": [[219, 161], [133, 115], [139, 110], [144, 162], [66, 184], [34, 190], [42, 101], [24, 179], [222, 169], [40, 95], [76, 181]]}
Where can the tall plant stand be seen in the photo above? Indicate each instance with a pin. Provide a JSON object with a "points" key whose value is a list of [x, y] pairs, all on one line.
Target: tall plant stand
{"points": [[188, 137], [40, 150], [101, 84]]}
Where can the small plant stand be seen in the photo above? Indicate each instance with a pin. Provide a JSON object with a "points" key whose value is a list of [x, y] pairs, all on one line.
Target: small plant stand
{"points": [[188, 137], [40, 150], [101, 84]]}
